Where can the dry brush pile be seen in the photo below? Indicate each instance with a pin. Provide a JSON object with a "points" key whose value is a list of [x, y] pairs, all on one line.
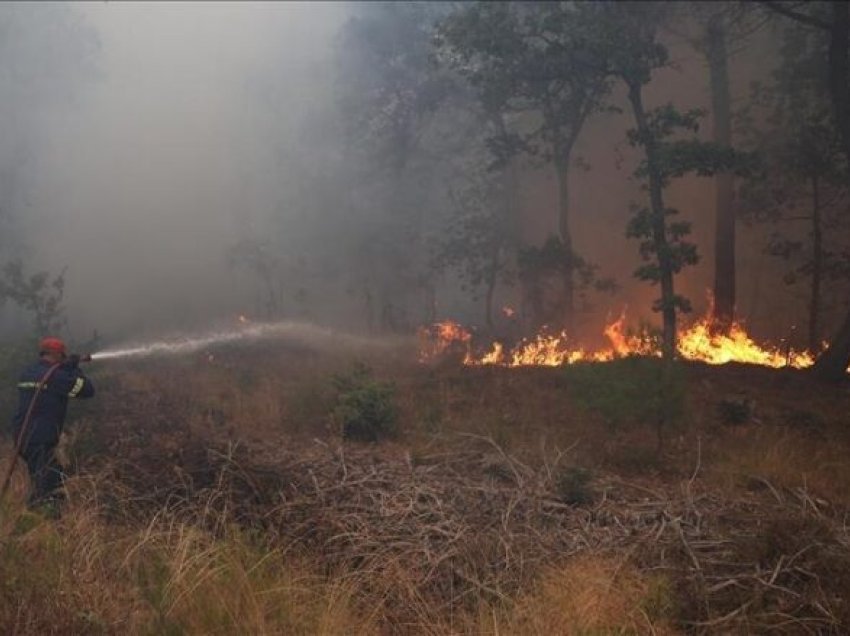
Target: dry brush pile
{"points": [[428, 539]]}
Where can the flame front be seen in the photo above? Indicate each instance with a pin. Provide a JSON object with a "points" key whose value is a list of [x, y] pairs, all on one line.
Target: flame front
{"points": [[698, 342]]}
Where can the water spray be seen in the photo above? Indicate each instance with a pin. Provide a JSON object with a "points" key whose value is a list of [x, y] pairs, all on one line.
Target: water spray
{"points": [[318, 337]]}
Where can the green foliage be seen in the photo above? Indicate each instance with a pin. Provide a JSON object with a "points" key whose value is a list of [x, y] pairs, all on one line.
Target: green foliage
{"points": [[526, 57], [527, 67], [679, 252], [552, 259], [632, 390], [663, 243], [365, 408]]}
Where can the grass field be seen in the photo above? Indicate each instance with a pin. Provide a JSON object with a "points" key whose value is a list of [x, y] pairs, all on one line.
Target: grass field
{"points": [[234, 494]]}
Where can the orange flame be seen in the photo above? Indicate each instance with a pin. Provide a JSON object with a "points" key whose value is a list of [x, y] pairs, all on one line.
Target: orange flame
{"points": [[442, 338], [697, 342]]}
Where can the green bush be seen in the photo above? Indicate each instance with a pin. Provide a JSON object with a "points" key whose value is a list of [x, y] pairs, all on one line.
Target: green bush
{"points": [[365, 408]]}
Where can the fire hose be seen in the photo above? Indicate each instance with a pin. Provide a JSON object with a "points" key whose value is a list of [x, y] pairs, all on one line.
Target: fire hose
{"points": [[24, 433]]}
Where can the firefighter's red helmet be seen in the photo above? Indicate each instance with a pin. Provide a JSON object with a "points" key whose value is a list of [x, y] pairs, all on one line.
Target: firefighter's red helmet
{"points": [[51, 345]]}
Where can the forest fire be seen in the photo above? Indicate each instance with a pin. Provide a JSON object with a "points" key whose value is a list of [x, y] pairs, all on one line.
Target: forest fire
{"points": [[697, 342]]}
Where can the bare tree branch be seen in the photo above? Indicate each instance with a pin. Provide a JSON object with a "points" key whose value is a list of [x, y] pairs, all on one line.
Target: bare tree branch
{"points": [[803, 18]]}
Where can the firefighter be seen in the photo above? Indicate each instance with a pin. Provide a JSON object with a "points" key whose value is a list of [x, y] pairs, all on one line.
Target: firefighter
{"points": [[57, 378]]}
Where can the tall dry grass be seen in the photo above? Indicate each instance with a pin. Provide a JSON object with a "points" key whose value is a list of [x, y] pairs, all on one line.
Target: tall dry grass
{"points": [[178, 571], [85, 574], [784, 460]]}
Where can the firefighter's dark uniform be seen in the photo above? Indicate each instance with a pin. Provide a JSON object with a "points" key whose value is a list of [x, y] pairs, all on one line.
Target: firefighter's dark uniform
{"points": [[39, 440]]}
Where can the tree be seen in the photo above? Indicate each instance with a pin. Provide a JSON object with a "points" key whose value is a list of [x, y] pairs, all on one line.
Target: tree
{"points": [[832, 20], [624, 39], [38, 294], [714, 29], [258, 257], [525, 60], [478, 241], [804, 172], [389, 92], [724, 233]]}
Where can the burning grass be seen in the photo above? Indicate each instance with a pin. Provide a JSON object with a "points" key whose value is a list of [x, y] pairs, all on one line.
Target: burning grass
{"points": [[700, 342]]}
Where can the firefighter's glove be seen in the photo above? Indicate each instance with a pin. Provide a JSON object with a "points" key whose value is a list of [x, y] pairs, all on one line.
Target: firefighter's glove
{"points": [[73, 361]]}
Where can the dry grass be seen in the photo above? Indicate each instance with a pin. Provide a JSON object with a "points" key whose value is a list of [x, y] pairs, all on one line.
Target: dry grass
{"points": [[591, 595], [785, 460], [87, 575], [209, 498]]}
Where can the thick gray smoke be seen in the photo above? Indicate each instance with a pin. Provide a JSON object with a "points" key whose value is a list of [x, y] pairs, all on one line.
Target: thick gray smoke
{"points": [[180, 145], [186, 163]]}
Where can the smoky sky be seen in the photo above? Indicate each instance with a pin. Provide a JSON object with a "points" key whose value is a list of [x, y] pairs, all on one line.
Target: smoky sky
{"points": [[141, 141], [172, 150]]}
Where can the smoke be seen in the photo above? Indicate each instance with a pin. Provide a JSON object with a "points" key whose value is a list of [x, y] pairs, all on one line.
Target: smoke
{"points": [[177, 150], [185, 162]]}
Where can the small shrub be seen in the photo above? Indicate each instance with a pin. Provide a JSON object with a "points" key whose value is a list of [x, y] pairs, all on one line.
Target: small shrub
{"points": [[365, 408], [573, 486]]}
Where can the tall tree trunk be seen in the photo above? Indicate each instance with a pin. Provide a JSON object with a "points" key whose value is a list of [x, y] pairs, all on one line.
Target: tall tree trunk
{"points": [[832, 363], [659, 228], [817, 268], [562, 166], [724, 236]]}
